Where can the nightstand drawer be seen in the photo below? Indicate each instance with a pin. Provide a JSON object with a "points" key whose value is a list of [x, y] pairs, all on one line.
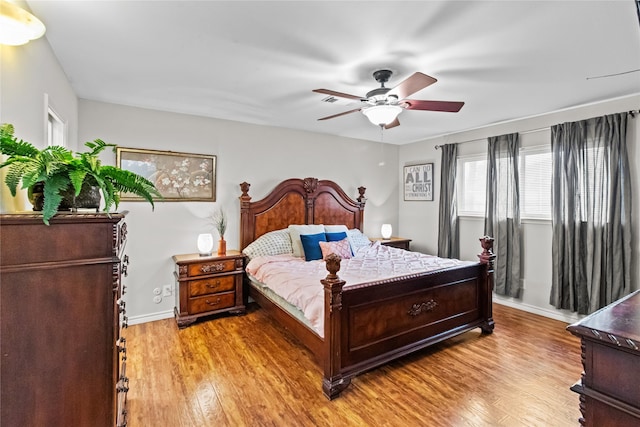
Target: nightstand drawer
{"points": [[211, 267], [212, 285], [211, 302]]}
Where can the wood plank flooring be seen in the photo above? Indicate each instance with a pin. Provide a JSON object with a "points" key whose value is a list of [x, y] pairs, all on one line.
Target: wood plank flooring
{"points": [[248, 371]]}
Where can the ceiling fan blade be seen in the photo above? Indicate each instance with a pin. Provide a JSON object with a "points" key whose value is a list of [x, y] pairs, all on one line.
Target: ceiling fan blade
{"points": [[411, 85], [393, 124], [447, 106], [334, 93], [340, 114]]}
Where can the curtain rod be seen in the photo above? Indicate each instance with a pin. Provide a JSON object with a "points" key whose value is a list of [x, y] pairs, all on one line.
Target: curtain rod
{"points": [[437, 147]]}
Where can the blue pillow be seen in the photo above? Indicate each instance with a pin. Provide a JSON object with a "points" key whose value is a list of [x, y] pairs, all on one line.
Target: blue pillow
{"points": [[336, 237], [311, 245]]}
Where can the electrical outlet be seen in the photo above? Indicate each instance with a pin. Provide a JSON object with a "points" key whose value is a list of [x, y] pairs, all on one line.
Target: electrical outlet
{"points": [[166, 290], [157, 299], [157, 291]]}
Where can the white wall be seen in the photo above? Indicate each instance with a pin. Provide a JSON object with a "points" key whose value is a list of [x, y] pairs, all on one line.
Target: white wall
{"points": [[28, 73], [419, 220], [262, 156]]}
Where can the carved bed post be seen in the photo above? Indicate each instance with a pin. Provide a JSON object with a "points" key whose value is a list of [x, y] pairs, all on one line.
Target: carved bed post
{"points": [[361, 202], [246, 235], [333, 383], [487, 257]]}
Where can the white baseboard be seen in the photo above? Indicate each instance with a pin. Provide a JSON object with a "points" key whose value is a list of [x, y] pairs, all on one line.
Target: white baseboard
{"points": [[551, 313], [160, 315]]}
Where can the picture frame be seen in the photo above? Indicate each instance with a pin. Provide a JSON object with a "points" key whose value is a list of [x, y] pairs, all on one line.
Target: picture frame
{"points": [[418, 182], [179, 177]]}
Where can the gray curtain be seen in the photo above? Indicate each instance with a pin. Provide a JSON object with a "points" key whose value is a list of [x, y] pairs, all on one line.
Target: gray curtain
{"points": [[502, 218], [448, 233], [591, 213]]}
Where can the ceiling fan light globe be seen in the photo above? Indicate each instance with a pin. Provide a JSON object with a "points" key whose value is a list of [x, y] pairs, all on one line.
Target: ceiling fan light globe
{"points": [[381, 115]]}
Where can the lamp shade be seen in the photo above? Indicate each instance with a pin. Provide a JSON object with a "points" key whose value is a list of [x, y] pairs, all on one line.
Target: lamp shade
{"points": [[386, 230], [205, 244], [17, 26], [381, 115]]}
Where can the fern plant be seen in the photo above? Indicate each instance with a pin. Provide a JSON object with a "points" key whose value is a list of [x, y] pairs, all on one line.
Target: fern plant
{"points": [[60, 169]]}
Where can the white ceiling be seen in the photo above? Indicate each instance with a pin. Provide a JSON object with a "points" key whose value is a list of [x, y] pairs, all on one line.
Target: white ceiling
{"points": [[257, 62]]}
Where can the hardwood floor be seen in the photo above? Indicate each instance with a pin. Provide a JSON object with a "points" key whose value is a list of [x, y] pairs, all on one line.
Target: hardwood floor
{"points": [[247, 371]]}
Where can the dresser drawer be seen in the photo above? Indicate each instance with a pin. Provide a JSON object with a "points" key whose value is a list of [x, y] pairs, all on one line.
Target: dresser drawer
{"points": [[212, 285], [211, 267], [211, 302]]}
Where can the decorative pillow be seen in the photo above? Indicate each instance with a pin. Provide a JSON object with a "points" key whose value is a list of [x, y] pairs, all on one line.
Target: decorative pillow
{"points": [[272, 243], [311, 245], [296, 230], [342, 248], [336, 237], [357, 239]]}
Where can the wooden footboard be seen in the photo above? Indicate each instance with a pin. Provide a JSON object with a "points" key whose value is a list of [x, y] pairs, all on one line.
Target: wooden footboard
{"points": [[369, 325]]}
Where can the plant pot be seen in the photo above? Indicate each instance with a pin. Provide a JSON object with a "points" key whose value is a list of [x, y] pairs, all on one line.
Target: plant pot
{"points": [[36, 195], [222, 247], [89, 197]]}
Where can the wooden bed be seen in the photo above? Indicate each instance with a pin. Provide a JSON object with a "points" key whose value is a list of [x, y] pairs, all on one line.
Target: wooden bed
{"points": [[369, 324]]}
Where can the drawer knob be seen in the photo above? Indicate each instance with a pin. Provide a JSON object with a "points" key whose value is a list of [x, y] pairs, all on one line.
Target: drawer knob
{"points": [[217, 301], [214, 284], [207, 268]]}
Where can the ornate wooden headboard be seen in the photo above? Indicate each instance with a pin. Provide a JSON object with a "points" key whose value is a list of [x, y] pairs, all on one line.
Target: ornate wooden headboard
{"points": [[298, 201]]}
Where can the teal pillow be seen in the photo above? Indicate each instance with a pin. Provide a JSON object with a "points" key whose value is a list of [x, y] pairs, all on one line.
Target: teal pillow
{"points": [[311, 245], [336, 237]]}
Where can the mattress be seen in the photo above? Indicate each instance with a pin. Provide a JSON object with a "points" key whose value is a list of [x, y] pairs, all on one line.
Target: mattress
{"points": [[297, 281]]}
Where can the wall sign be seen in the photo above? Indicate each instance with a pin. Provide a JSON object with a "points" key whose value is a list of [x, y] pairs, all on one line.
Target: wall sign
{"points": [[418, 182]]}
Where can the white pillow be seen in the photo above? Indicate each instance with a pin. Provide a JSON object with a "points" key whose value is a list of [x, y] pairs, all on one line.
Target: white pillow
{"points": [[335, 229], [272, 243], [357, 239], [296, 230]]}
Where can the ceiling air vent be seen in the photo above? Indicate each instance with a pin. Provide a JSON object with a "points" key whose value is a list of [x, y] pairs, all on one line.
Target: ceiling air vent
{"points": [[337, 101]]}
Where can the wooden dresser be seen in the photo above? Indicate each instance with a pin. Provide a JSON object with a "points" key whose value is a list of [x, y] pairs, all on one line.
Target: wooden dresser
{"points": [[208, 285], [61, 310], [610, 388]]}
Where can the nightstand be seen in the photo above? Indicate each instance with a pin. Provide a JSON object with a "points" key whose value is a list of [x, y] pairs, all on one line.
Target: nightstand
{"points": [[208, 285], [396, 242]]}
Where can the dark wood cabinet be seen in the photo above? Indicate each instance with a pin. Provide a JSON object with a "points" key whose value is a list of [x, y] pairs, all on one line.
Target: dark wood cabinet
{"points": [[396, 242], [609, 390], [62, 353], [208, 285]]}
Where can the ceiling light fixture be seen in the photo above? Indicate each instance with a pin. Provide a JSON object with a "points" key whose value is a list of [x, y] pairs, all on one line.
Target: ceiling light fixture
{"points": [[381, 115], [17, 26]]}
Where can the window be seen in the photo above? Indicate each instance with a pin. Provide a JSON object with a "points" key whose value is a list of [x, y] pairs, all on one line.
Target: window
{"points": [[55, 128], [472, 185], [535, 184]]}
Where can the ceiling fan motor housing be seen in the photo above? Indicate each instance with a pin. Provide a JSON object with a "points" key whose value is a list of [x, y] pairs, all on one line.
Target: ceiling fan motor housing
{"points": [[379, 96]]}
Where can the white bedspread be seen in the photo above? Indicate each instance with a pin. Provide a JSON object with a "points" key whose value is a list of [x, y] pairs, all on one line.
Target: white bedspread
{"points": [[298, 281]]}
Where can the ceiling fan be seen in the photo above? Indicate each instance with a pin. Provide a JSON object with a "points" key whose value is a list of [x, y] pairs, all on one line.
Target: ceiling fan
{"points": [[383, 105]]}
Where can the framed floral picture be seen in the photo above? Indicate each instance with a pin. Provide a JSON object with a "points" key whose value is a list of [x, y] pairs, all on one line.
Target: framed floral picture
{"points": [[179, 177]]}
